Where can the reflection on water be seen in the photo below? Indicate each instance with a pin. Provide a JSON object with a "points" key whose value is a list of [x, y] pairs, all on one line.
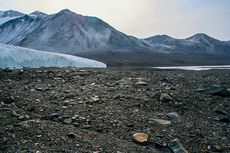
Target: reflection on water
{"points": [[195, 68]]}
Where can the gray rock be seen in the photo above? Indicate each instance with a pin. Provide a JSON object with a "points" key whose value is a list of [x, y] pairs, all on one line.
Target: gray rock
{"points": [[216, 148], [9, 100], [165, 97], [67, 120], [173, 117], [142, 83], [14, 113], [217, 91], [225, 119], [176, 147], [163, 122], [222, 112], [72, 135]]}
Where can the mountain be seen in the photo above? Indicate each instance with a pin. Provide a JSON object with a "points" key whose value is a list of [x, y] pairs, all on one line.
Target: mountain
{"points": [[17, 29], [71, 33], [67, 32], [6, 16], [17, 57], [199, 43], [37, 14]]}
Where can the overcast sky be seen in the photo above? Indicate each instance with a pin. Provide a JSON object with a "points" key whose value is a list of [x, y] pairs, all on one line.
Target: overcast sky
{"points": [[144, 18]]}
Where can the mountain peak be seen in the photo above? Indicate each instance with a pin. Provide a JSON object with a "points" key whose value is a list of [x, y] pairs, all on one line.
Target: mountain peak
{"points": [[38, 14], [11, 13], [66, 11], [200, 37]]}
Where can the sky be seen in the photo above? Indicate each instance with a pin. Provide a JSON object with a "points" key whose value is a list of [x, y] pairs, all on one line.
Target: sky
{"points": [[143, 18]]}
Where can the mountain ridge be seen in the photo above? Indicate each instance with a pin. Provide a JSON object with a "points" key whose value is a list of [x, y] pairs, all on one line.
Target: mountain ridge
{"points": [[71, 33]]}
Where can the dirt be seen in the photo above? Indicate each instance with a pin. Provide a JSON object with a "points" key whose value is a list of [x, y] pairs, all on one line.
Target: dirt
{"points": [[99, 110]]}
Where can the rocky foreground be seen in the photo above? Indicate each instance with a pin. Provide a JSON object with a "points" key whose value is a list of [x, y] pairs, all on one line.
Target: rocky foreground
{"points": [[109, 110]]}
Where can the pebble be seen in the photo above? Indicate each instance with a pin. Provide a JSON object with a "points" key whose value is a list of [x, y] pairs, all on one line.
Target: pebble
{"points": [[140, 138], [72, 135], [67, 120], [14, 113], [176, 147], [222, 112], [95, 99], [216, 90], [216, 148], [225, 119], [9, 100], [142, 83], [163, 122], [165, 97], [173, 117]]}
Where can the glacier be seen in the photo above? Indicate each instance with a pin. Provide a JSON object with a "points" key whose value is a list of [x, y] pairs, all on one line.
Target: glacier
{"points": [[18, 57]]}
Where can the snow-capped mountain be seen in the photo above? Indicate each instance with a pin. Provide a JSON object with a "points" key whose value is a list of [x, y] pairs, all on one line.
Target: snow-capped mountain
{"points": [[17, 29], [66, 32], [38, 14], [17, 57], [6, 16], [199, 43], [70, 33]]}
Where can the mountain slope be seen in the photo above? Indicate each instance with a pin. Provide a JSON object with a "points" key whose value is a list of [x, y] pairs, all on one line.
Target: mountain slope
{"points": [[68, 32], [71, 33], [17, 57], [17, 29], [6, 16]]}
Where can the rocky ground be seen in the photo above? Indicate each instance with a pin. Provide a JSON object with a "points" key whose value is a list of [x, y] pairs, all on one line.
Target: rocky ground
{"points": [[110, 110]]}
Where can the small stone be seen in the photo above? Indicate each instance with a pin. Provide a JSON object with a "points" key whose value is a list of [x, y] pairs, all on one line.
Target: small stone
{"points": [[165, 97], [4, 140], [140, 138], [76, 124], [173, 117], [53, 117], [216, 148], [21, 117], [38, 100], [86, 126], [77, 145], [20, 72], [67, 120], [163, 122], [225, 119], [95, 99], [142, 83], [9, 100], [216, 90], [176, 147], [222, 112], [72, 135], [14, 113], [39, 89]]}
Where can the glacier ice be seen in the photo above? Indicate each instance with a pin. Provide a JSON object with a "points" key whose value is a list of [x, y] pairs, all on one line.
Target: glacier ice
{"points": [[18, 57]]}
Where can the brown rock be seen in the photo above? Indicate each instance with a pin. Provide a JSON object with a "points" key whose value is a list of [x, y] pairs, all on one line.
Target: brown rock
{"points": [[140, 138]]}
